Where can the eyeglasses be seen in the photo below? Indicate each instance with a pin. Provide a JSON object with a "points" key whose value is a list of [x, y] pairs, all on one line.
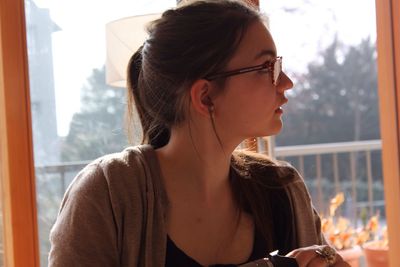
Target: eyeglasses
{"points": [[274, 66]]}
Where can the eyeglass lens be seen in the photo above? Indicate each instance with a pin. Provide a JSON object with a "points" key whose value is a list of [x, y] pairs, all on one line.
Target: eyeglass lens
{"points": [[277, 70]]}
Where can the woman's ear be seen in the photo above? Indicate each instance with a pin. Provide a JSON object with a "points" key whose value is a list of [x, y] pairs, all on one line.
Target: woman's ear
{"points": [[200, 96]]}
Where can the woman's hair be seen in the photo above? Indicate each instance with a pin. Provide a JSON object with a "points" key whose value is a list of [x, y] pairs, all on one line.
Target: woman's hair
{"points": [[188, 43]]}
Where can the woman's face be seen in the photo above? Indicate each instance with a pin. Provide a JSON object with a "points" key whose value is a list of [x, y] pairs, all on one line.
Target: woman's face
{"points": [[249, 105]]}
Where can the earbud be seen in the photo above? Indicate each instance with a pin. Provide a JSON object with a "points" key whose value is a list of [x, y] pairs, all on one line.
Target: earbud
{"points": [[209, 103]]}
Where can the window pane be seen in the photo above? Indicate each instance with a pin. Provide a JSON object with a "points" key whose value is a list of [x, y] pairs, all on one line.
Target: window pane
{"points": [[76, 116], [330, 54]]}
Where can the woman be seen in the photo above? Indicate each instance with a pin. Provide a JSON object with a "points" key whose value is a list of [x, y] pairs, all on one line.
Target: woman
{"points": [[207, 78]]}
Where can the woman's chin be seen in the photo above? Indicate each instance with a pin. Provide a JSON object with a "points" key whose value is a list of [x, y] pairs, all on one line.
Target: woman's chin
{"points": [[270, 132], [274, 129]]}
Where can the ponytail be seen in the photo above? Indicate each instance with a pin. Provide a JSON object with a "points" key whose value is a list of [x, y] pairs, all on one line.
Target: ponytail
{"points": [[154, 132]]}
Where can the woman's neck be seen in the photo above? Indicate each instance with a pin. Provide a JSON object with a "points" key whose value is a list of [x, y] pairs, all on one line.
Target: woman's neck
{"points": [[195, 166]]}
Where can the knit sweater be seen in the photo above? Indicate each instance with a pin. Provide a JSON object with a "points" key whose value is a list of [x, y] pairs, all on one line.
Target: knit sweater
{"points": [[114, 211]]}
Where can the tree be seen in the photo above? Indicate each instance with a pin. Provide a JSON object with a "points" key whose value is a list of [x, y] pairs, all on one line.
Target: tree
{"points": [[336, 100], [98, 128]]}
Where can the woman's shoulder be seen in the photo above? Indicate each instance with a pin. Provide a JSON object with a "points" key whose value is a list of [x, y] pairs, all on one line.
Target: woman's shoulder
{"points": [[104, 196], [130, 157], [111, 170]]}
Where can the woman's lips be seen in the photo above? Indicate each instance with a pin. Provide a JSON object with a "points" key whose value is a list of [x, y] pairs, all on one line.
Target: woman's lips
{"points": [[279, 110]]}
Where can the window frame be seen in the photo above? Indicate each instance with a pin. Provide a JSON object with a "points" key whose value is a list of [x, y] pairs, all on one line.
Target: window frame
{"points": [[17, 181], [388, 48]]}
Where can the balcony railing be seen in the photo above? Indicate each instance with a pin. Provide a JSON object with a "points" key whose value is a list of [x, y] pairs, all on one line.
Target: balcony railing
{"points": [[64, 172], [360, 158]]}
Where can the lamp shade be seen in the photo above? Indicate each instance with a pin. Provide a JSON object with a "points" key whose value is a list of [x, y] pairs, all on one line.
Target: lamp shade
{"points": [[123, 38]]}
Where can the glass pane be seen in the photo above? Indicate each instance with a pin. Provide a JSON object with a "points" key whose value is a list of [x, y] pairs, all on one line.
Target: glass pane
{"points": [[330, 54], [76, 116]]}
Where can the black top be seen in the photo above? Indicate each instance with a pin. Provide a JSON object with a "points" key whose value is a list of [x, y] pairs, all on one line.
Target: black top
{"points": [[282, 236], [177, 258]]}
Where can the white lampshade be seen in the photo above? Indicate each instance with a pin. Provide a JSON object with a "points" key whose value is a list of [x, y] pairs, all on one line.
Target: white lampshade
{"points": [[123, 38]]}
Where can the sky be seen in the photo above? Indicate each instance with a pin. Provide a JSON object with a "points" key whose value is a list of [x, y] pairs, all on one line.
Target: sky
{"points": [[301, 29]]}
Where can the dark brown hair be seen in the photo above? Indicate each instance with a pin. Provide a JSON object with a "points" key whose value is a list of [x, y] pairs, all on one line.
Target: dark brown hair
{"points": [[188, 43]]}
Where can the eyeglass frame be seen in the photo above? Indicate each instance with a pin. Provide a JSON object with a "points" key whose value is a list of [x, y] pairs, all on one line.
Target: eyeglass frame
{"points": [[268, 66]]}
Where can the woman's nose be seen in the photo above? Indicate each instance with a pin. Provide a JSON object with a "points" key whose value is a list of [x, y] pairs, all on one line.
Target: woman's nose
{"points": [[285, 83]]}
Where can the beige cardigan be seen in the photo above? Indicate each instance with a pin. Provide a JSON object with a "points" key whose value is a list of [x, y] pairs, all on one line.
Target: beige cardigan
{"points": [[113, 213]]}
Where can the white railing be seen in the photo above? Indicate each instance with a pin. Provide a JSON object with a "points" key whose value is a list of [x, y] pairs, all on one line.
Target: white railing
{"points": [[354, 149], [62, 170], [329, 148]]}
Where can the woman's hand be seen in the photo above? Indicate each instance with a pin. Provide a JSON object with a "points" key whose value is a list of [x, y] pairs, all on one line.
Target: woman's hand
{"points": [[314, 256]]}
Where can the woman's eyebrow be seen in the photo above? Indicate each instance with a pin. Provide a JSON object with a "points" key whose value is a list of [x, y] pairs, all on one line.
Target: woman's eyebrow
{"points": [[266, 52]]}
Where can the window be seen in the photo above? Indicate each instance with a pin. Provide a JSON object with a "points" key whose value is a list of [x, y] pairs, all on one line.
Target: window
{"points": [[14, 146], [76, 116], [331, 128]]}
